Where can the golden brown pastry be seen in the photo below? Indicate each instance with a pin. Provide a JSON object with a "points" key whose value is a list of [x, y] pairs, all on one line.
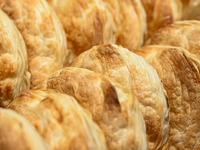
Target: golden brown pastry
{"points": [[133, 72], [60, 120], [16, 133], [190, 9], [86, 22], [161, 12], [43, 34], [130, 21], [14, 75], [112, 106], [179, 71], [181, 34]]}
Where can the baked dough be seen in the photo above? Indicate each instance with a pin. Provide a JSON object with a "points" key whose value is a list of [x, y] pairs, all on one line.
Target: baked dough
{"points": [[180, 34], [112, 106], [14, 75], [130, 22], [161, 12], [43, 34], [133, 72], [60, 120], [179, 71], [190, 9], [16, 133], [86, 22]]}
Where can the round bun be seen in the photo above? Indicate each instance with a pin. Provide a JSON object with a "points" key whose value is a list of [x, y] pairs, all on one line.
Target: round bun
{"points": [[112, 106], [17, 133], [60, 120], [135, 73], [179, 71], [14, 75], [43, 35]]}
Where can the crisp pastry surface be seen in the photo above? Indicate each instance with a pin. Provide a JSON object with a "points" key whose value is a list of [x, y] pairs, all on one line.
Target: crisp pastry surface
{"points": [[161, 12], [86, 22], [130, 21], [133, 72], [112, 106], [190, 9], [16, 133], [14, 75], [180, 34], [43, 34], [179, 71], [60, 120]]}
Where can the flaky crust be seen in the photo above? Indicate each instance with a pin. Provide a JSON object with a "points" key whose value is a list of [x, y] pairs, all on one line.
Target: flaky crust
{"points": [[161, 12], [86, 22], [112, 106], [130, 22], [60, 120], [14, 75], [133, 72], [181, 34], [16, 133], [190, 9], [179, 71], [43, 34]]}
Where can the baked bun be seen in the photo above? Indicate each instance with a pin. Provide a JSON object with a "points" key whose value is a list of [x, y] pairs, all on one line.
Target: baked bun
{"points": [[180, 34], [60, 120], [179, 71], [190, 9], [86, 23], [16, 133], [14, 75], [133, 72], [130, 22], [112, 106], [161, 12], [43, 34]]}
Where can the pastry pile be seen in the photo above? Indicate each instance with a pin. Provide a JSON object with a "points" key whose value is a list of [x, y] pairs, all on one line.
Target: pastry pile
{"points": [[99, 74]]}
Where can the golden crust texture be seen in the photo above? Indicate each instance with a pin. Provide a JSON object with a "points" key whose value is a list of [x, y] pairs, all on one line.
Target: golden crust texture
{"points": [[179, 71], [190, 9], [86, 22], [60, 120], [16, 133], [133, 72], [14, 75], [130, 21], [112, 106], [180, 34], [161, 12], [43, 34]]}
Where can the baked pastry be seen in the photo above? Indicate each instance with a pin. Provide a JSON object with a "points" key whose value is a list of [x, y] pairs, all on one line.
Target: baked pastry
{"points": [[161, 12], [16, 133], [135, 73], [179, 71], [60, 120], [87, 23], [180, 34], [130, 21], [14, 75], [112, 106], [43, 34], [190, 9]]}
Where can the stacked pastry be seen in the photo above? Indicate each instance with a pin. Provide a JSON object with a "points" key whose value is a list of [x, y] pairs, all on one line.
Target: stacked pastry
{"points": [[107, 97]]}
